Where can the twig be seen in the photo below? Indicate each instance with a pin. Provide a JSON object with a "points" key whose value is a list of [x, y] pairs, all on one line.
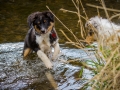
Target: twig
{"points": [[66, 36], [74, 4], [78, 46], [58, 18], [117, 15], [64, 10], [104, 7], [83, 9], [109, 9]]}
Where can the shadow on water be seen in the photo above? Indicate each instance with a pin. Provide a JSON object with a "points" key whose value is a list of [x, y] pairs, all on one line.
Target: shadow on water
{"points": [[16, 73]]}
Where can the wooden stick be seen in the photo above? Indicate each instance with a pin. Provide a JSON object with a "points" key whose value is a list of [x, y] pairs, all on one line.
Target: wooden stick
{"points": [[109, 9], [117, 15], [105, 9]]}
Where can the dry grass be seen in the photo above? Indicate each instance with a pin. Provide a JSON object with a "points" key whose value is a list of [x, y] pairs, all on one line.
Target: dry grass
{"points": [[107, 73]]}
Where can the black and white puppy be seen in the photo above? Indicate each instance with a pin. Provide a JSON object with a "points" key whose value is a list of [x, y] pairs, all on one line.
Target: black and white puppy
{"points": [[42, 37]]}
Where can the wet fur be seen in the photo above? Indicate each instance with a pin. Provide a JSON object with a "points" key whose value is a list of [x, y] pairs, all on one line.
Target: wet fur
{"points": [[41, 37]]}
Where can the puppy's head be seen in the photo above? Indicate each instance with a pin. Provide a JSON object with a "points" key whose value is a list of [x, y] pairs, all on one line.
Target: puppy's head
{"points": [[42, 21]]}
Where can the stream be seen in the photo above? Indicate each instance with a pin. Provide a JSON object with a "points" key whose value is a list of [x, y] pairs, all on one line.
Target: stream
{"points": [[31, 74]]}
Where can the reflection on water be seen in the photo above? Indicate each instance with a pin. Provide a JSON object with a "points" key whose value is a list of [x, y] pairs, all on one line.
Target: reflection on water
{"points": [[16, 73]]}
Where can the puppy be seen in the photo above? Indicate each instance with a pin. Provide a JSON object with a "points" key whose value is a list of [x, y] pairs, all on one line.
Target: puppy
{"points": [[102, 30], [41, 37]]}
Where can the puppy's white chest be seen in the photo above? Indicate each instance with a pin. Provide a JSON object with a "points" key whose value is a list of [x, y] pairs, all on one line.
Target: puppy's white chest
{"points": [[43, 41], [39, 39]]}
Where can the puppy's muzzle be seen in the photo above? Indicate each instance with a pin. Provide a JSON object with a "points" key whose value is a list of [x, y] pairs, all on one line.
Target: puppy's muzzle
{"points": [[43, 30]]}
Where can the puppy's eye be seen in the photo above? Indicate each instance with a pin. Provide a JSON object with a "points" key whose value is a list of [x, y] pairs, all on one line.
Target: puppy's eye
{"points": [[38, 22], [45, 21]]}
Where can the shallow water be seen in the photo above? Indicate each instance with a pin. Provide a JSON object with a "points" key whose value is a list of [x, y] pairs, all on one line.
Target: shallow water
{"points": [[16, 73]]}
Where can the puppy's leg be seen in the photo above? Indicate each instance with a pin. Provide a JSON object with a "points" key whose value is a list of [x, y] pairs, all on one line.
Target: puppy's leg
{"points": [[44, 58], [51, 79], [56, 51], [26, 52]]}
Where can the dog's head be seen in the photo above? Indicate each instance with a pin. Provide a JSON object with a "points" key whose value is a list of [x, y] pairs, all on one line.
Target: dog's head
{"points": [[93, 23], [41, 21], [92, 27]]}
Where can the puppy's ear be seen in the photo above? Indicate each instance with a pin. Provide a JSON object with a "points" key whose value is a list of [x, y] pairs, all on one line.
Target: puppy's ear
{"points": [[50, 15], [31, 18], [35, 18]]}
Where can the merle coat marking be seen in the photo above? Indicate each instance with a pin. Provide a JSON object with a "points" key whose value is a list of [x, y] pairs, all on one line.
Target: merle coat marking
{"points": [[102, 30]]}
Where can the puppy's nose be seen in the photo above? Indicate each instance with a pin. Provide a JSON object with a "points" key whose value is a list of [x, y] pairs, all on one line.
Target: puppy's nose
{"points": [[43, 31]]}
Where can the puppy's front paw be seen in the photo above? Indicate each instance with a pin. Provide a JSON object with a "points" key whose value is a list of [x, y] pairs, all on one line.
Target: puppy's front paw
{"points": [[49, 65], [54, 58]]}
